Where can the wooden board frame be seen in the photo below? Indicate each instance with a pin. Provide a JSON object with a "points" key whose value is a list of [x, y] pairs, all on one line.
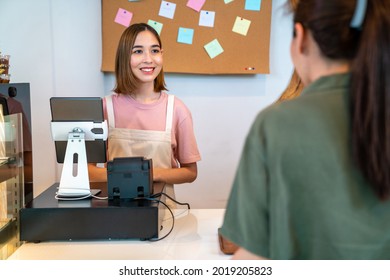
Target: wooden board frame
{"points": [[242, 54]]}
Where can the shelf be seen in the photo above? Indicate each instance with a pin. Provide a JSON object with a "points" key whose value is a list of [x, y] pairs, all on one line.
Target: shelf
{"points": [[11, 182], [4, 224]]}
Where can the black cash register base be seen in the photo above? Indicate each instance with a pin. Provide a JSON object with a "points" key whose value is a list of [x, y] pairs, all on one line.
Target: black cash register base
{"points": [[47, 219]]}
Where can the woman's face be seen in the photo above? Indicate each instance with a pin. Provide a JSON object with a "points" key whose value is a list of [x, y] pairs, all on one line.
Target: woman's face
{"points": [[146, 57]]}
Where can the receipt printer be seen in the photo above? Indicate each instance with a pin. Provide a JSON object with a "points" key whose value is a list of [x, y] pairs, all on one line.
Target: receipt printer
{"points": [[129, 177]]}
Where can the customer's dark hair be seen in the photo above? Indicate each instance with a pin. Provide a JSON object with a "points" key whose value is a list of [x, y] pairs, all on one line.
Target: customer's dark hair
{"points": [[368, 48]]}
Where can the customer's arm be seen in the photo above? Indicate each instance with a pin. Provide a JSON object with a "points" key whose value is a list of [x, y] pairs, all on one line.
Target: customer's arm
{"points": [[242, 254]]}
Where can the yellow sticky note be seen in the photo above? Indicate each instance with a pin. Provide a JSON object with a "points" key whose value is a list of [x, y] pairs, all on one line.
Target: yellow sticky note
{"points": [[241, 26]]}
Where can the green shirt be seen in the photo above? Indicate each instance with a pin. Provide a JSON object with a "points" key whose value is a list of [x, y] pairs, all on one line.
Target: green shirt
{"points": [[297, 193]]}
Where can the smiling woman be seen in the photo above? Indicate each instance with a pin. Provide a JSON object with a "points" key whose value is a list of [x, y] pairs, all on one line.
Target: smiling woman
{"points": [[146, 64], [143, 119], [136, 41]]}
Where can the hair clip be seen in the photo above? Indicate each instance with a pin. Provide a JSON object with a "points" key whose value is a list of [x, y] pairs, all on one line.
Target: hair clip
{"points": [[359, 14]]}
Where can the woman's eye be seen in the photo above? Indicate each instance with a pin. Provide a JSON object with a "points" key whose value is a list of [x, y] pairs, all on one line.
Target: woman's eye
{"points": [[155, 50], [137, 51]]}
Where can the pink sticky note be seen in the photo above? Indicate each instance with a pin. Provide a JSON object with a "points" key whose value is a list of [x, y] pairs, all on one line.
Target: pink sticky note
{"points": [[123, 17], [196, 4]]}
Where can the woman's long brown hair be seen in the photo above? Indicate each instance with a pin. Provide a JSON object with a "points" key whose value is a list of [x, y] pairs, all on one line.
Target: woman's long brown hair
{"points": [[368, 49], [126, 82]]}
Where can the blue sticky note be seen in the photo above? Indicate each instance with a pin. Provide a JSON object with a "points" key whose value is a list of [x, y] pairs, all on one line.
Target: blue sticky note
{"points": [[185, 35], [252, 5]]}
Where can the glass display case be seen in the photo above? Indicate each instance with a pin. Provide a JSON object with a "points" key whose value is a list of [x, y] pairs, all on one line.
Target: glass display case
{"points": [[15, 98], [11, 182]]}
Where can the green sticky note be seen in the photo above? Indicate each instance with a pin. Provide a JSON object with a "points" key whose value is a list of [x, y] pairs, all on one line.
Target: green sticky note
{"points": [[213, 48], [156, 25]]}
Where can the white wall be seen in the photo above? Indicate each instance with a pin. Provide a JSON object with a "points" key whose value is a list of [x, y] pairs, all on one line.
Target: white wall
{"points": [[55, 45]]}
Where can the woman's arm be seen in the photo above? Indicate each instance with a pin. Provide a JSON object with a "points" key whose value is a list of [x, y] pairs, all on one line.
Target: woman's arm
{"points": [[97, 174], [242, 254], [186, 173]]}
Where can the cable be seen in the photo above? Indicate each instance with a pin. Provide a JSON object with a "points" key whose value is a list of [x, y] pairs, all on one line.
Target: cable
{"points": [[98, 197], [153, 198], [173, 217], [174, 200], [59, 197], [74, 197]]}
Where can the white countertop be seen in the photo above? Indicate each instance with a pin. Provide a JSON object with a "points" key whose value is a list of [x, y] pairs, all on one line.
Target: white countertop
{"points": [[194, 237]]}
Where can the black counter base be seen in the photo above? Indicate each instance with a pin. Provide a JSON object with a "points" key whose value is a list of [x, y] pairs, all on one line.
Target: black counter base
{"points": [[47, 219]]}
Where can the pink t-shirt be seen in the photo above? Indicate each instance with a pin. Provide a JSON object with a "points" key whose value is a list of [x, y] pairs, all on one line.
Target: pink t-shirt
{"points": [[134, 115]]}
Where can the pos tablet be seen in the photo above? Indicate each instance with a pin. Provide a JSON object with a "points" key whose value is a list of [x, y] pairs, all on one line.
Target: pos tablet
{"points": [[80, 134]]}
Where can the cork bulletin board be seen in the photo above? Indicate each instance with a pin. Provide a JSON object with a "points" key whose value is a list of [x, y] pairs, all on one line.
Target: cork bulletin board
{"points": [[198, 36]]}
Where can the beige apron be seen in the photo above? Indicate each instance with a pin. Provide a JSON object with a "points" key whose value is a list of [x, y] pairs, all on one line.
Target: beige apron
{"points": [[124, 142]]}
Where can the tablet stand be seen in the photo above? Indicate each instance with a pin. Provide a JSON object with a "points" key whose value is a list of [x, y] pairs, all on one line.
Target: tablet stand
{"points": [[74, 178]]}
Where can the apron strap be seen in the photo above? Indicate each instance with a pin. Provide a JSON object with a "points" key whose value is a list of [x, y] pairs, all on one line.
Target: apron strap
{"points": [[110, 111], [171, 101]]}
